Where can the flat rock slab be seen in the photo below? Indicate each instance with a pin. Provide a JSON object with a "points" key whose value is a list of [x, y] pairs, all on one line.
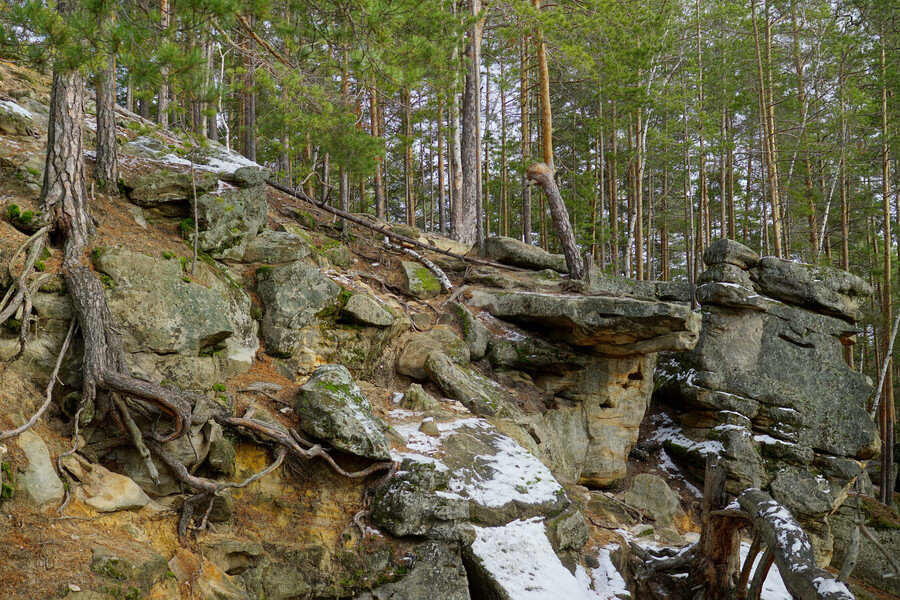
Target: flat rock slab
{"points": [[419, 281], [611, 326]]}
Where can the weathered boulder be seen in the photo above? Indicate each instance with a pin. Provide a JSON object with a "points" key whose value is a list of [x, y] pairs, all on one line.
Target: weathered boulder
{"points": [[194, 331], [416, 398], [482, 396], [276, 247], [610, 326], [725, 251], [128, 562], [411, 360], [104, 490], [509, 251], [228, 219], [825, 290], [533, 354], [517, 561], [363, 309], [438, 572], [496, 479], [15, 120], [169, 192], [651, 494], [412, 505], [419, 281], [475, 333], [332, 408], [292, 295], [39, 481]]}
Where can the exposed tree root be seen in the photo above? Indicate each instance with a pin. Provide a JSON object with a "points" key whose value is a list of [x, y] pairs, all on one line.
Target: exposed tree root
{"points": [[48, 394]]}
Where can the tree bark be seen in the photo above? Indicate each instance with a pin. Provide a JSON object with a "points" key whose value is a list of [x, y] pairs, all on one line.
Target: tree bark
{"points": [[543, 176], [717, 563], [470, 142], [525, 114], [106, 168], [544, 85]]}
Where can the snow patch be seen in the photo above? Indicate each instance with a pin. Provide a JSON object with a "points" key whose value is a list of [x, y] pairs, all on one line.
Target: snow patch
{"points": [[12, 107]]}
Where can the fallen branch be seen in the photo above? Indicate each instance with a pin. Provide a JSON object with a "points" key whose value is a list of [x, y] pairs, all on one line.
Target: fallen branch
{"points": [[446, 286], [385, 231]]}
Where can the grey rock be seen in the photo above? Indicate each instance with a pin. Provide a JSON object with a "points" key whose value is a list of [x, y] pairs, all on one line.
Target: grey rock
{"points": [[331, 407], [112, 492], [292, 295], [416, 398], [276, 247], [804, 494], [39, 482], [728, 273], [510, 251], [137, 564], [826, 290], [233, 556], [364, 309], [651, 494], [419, 281], [611, 326], [475, 333], [438, 572], [411, 360], [15, 120], [144, 147], [546, 280], [246, 177], [410, 506], [568, 531], [725, 251], [533, 354], [229, 219], [169, 192], [476, 392], [338, 255]]}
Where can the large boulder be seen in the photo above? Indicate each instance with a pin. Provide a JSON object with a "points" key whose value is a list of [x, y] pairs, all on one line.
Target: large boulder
{"points": [[228, 219], [825, 290], [168, 192], [475, 333], [166, 317], [15, 120], [610, 326], [510, 251], [725, 251], [332, 408], [292, 295], [437, 572], [411, 360], [277, 247], [482, 396], [652, 495], [365, 310]]}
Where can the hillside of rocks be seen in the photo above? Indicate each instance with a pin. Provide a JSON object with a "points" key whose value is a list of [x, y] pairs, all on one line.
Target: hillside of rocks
{"points": [[507, 438]]}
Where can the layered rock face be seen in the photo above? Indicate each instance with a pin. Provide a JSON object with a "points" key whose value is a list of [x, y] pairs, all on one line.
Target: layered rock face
{"points": [[592, 357], [767, 387]]}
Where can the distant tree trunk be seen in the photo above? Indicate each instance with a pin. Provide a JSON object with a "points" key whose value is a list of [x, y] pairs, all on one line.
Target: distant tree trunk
{"points": [[639, 200], [442, 192], [342, 170], [250, 101], [377, 184], [163, 104], [503, 225], [845, 207], [887, 402], [544, 85], [326, 176], [470, 144], [408, 191], [106, 167], [484, 211], [613, 193], [524, 116], [543, 176]]}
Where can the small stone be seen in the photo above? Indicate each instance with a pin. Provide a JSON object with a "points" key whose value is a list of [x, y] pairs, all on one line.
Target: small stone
{"points": [[116, 492], [411, 360], [416, 398], [430, 428], [651, 494], [475, 333], [74, 588], [40, 480]]}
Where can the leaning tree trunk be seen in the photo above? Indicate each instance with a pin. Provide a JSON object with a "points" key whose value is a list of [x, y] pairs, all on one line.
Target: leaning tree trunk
{"points": [[106, 169], [64, 206], [543, 176], [470, 144]]}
